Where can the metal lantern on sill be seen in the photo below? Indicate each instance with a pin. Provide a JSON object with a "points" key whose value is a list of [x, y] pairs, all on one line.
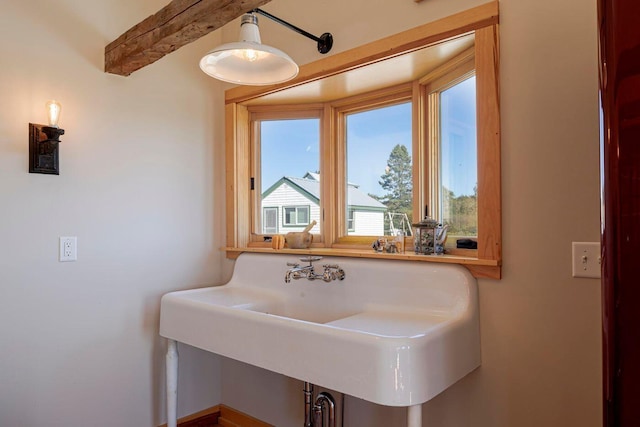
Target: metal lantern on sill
{"points": [[423, 236]]}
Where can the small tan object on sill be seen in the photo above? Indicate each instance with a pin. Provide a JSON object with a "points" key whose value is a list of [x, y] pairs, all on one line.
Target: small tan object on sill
{"points": [[277, 241], [300, 239]]}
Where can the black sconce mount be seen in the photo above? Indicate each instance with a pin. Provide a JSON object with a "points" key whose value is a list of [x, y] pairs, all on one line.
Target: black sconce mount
{"points": [[44, 144]]}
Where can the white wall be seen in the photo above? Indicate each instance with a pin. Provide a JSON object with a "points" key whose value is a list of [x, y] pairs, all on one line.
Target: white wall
{"points": [[540, 327], [140, 176]]}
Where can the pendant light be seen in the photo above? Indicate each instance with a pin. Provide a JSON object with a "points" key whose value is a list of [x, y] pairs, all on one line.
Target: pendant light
{"points": [[249, 62]]}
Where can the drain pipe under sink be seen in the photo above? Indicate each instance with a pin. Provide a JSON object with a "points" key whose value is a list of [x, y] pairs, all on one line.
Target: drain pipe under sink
{"points": [[318, 412], [414, 415], [314, 412], [308, 404]]}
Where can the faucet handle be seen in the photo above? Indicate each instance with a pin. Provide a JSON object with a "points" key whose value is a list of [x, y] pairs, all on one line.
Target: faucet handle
{"points": [[310, 259], [293, 264], [333, 266]]}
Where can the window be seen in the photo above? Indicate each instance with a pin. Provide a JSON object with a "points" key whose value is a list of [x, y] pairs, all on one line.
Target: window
{"points": [[453, 167], [351, 220], [379, 169], [296, 215], [286, 153], [458, 159], [373, 151], [335, 95], [270, 220]]}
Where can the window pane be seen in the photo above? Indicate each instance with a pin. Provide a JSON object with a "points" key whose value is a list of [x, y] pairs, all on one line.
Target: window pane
{"points": [[303, 215], [379, 188], [458, 161], [289, 170], [289, 216], [270, 216], [350, 220]]}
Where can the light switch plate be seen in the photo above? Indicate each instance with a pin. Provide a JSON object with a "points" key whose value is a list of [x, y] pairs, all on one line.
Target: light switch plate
{"points": [[586, 259]]}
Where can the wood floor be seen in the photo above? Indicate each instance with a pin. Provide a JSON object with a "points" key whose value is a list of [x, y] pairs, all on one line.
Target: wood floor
{"points": [[220, 416]]}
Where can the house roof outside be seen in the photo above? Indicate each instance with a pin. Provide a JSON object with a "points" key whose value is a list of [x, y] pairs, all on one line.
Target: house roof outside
{"points": [[310, 186]]}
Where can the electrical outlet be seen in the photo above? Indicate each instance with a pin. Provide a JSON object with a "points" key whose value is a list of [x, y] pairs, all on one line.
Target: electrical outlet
{"points": [[68, 249], [586, 259]]}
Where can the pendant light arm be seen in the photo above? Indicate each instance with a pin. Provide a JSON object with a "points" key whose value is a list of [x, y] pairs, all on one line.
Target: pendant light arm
{"points": [[286, 24], [325, 41]]}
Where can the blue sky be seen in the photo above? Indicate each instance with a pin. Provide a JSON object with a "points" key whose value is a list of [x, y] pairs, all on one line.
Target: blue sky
{"points": [[371, 136], [458, 129], [289, 148], [292, 147]]}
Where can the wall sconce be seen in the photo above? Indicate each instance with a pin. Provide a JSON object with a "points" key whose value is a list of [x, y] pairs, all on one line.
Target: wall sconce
{"points": [[249, 62], [44, 141]]}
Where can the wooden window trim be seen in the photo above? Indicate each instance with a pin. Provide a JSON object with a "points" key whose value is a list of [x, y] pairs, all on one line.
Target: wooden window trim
{"points": [[484, 21]]}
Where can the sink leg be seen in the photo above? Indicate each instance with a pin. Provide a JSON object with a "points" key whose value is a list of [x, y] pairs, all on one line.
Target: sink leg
{"points": [[415, 416], [172, 382]]}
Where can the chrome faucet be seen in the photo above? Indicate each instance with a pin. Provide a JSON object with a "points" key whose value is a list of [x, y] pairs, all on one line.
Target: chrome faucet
{"points": [[330, 272]]}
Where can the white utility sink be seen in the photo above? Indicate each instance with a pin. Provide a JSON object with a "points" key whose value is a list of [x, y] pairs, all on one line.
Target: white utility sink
{"points": [[392, 332]]}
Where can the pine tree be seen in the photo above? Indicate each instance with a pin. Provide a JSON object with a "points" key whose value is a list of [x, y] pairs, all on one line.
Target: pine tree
{"points": [[397, 182]]}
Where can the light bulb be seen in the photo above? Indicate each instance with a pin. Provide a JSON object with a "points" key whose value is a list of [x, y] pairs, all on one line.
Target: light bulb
{"points": [[53, 112], [250, 55]]}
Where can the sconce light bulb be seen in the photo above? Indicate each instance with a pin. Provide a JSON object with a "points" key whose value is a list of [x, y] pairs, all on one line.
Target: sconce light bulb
{"points": [[53, 112]]}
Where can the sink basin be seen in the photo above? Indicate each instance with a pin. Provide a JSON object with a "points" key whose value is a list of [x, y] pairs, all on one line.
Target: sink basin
{"points": [[392, 332]]}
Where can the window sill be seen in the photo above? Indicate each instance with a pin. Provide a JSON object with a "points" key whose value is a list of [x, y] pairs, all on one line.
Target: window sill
{"points": [[480, 268]]}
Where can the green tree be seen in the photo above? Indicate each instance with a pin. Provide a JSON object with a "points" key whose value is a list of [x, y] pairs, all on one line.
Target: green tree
{"points": [[460, 212], [398, 183]]}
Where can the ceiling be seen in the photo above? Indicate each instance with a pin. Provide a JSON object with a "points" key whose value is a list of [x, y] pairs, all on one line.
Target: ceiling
{"points": [[386, 73]]}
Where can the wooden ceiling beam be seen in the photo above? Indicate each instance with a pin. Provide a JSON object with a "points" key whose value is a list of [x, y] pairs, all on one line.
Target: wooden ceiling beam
{"points": [[175, 25]]}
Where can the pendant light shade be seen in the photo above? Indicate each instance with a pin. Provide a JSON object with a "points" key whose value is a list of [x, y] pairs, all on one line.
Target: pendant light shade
{"points": [[248, 61]]}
